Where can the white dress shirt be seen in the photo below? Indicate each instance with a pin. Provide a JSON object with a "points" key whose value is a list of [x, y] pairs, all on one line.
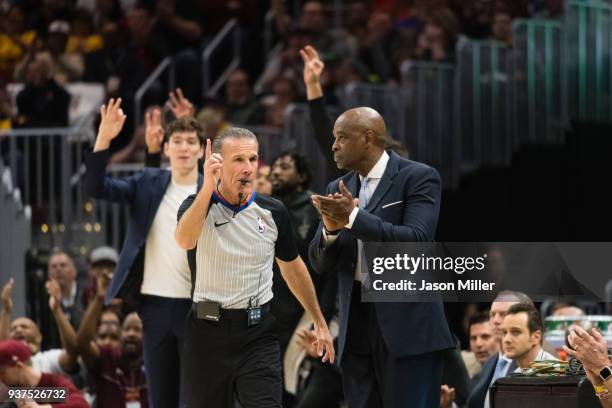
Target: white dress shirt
{"points": [[374, 177]]}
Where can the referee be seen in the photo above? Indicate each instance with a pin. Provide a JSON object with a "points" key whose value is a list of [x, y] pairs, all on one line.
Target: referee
{"points": [[233, 236]]}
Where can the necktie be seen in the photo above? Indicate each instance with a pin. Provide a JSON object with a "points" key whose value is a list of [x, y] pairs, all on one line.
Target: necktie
{"points": [[363, 193], [360, 274], [499, 372], [499, 369]]}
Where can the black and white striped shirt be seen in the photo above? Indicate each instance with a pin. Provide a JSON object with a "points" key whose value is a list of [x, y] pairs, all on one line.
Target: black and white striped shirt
{"points": [[232, 262]]}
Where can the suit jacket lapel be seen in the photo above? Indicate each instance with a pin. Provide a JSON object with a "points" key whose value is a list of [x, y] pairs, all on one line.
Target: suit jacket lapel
{"points": [[353, 184], [513, 366], [385, 182], [159, 187]]}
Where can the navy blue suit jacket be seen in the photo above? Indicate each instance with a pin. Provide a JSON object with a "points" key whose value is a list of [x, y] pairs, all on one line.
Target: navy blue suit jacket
{"points": [[407, 328], [143, 192], [479, 392]]}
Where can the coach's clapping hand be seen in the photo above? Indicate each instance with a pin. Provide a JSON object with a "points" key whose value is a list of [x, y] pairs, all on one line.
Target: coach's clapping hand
{"points": [[336, 208], [111, 124]]}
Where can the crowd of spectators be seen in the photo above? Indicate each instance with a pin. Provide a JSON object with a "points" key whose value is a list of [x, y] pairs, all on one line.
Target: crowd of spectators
{"points": [[96, 350], [119, 43]]}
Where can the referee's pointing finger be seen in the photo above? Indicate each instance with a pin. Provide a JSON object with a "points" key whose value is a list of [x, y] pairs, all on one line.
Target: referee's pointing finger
{"points": [[207, 153]]}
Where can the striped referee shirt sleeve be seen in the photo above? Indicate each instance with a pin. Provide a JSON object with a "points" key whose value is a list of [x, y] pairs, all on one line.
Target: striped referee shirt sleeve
{"points": [[285, 248], [185, 206]]}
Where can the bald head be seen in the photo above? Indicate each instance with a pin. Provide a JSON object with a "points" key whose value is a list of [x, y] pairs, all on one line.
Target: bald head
{"points": [[365, 119], [359, 139]]}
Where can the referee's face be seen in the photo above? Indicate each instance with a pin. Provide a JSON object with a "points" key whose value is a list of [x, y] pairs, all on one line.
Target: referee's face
{"points": [[239, 167]]}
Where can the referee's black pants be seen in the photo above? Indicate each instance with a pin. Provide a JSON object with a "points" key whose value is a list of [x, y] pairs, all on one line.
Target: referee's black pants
{"points": [[227, 361]]}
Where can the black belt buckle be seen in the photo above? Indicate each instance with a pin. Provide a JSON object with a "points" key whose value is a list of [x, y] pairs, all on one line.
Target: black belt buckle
{"points": [[254, 314], [208, 311]]}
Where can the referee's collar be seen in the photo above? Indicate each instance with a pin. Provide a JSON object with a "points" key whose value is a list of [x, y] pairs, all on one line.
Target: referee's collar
{"points": [[219, 198]]}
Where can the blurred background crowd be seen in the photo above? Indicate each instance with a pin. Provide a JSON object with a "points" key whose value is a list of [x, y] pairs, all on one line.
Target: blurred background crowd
{"points": [[238, 62]]}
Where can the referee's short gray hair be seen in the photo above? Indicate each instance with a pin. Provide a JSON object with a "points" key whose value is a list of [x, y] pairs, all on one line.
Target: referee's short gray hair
{"points": [[232, 132]]}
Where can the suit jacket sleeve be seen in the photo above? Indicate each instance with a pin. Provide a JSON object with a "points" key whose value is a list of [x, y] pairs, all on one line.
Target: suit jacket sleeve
{"points": [[99, 185], [153, 159], [479, 391], [420, 217], [323, 129], [327, 297], [322, 258]]}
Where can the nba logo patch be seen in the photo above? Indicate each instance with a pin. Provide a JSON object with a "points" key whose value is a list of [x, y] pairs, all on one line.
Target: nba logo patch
{"points": [[260, 225]]}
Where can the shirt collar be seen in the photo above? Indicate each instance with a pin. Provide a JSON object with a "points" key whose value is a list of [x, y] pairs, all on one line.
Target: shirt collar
{"points": [[217, 197], [68, 302], [379, 168], [542, 355]]}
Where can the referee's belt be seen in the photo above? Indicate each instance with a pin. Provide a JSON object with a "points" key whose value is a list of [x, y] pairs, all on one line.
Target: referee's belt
{"points": [[233, 314]]}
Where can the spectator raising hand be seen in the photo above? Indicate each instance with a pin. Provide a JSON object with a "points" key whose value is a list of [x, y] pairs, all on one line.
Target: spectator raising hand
{"points": [[88, 349], [111, 124], [7, 296], [55, 294], [68, 357], [179, 105], [7, 308], [102, 283], [313, 67], [154, 131]]}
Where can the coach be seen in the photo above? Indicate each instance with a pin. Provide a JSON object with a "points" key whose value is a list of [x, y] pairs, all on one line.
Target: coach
{"points": [[388, 351]]}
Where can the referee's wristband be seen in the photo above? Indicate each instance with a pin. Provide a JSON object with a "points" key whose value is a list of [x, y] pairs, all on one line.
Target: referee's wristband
{"points": [[334, 232]]}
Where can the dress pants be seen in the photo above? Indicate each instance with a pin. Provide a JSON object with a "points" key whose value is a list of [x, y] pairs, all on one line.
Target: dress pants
{"points": [[227, 362], [373, 378], [163, 323]]}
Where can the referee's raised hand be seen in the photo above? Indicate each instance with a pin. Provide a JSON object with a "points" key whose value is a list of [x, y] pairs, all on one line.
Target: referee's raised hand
{"points": [[212, 167]]}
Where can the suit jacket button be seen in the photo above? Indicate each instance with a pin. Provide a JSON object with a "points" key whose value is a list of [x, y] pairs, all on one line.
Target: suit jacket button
{"points": [[353, 265]]}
